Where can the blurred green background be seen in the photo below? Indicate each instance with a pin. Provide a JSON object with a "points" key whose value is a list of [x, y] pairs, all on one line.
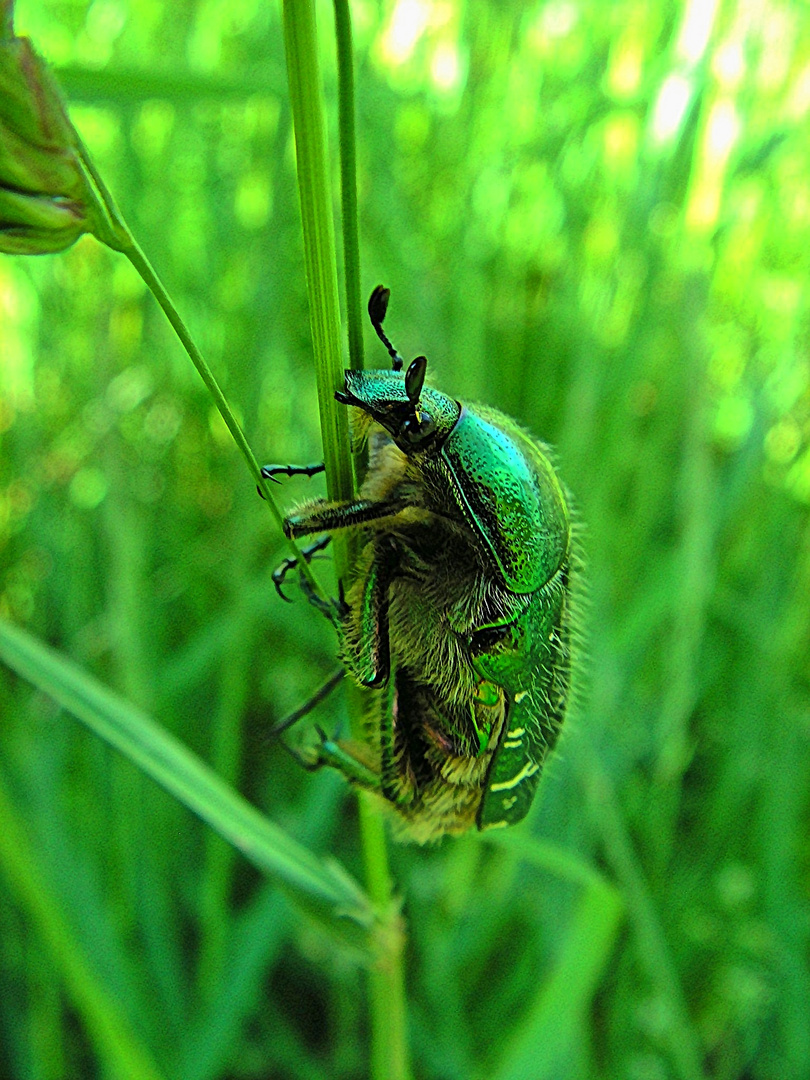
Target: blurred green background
{"points": [[594, 215]]}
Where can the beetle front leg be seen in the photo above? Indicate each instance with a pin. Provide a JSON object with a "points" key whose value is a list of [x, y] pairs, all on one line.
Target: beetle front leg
{"points": [[327, 516], [270, 472]]}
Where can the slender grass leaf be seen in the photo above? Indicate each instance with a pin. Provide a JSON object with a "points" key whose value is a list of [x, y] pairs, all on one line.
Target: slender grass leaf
{"points": [[181, 773]]}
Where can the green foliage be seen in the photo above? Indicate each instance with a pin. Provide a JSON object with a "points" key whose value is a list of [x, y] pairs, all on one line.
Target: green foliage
{"points": [[593, 216]]}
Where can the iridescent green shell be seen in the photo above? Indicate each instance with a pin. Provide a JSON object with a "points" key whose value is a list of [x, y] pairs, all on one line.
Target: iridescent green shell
{"points": [[509, 493]]}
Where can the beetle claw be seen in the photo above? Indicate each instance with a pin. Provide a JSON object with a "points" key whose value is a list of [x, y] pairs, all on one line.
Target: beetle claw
{"points": [[281, 593]]}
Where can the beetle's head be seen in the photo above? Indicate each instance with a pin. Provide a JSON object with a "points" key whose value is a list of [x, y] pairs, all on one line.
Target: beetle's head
{"points": [[416, 417]]}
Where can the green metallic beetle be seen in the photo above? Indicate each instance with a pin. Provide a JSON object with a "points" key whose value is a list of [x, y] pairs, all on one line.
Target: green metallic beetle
{"points": [[460, 605]]}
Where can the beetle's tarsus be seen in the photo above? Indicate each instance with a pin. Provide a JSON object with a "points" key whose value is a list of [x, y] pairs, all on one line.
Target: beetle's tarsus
{"points": [[270, 472], [279, 574], [308, 553], [330, 608]]}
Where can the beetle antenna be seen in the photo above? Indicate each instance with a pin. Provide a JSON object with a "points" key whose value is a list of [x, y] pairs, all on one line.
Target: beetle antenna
{"points": [[415, 380], [377, 307]]}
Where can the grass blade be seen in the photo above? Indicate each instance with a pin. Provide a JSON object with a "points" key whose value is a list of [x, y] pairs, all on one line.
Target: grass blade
{"points": [[389, 1050], [182, 774]]}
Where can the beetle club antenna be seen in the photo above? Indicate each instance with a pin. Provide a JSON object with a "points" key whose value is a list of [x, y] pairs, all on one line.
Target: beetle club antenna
{"points": [[415, 380], [377, 307]]}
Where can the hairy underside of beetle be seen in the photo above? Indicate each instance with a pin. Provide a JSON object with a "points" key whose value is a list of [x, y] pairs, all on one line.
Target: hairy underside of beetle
{"points": [[434, 771], [438, 774]]}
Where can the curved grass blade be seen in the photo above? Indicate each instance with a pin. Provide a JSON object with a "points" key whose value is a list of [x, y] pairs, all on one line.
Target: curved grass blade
{"points": [[180, 772]]}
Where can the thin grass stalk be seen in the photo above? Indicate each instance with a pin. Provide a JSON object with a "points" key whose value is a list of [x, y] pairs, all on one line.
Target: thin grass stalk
{"points": [[120, 238], [389, 1029], [389, 1055], [348, 182]]}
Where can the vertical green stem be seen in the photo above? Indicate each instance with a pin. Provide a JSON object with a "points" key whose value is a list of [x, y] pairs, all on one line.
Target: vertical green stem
{"points": [[388, 1003], [6, 20], [389, 1056], [348, 182], [319, 245]]}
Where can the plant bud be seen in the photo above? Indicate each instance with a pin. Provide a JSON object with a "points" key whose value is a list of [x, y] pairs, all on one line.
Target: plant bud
{"points": [[46, 200]]}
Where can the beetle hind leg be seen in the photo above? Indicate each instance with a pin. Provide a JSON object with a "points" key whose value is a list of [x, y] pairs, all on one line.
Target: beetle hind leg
{"points": [[346, 757], [303, 710]]}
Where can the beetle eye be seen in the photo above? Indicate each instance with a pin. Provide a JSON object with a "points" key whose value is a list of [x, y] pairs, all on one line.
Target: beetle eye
{"points": [[417, 427]]}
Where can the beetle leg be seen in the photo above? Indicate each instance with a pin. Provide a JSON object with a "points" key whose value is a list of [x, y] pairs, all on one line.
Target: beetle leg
{"points": [[308, 706], [326, 517], [280, 572], [388, 765], [339, 756], [334, 610], [370, 651], [270, 472]]}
